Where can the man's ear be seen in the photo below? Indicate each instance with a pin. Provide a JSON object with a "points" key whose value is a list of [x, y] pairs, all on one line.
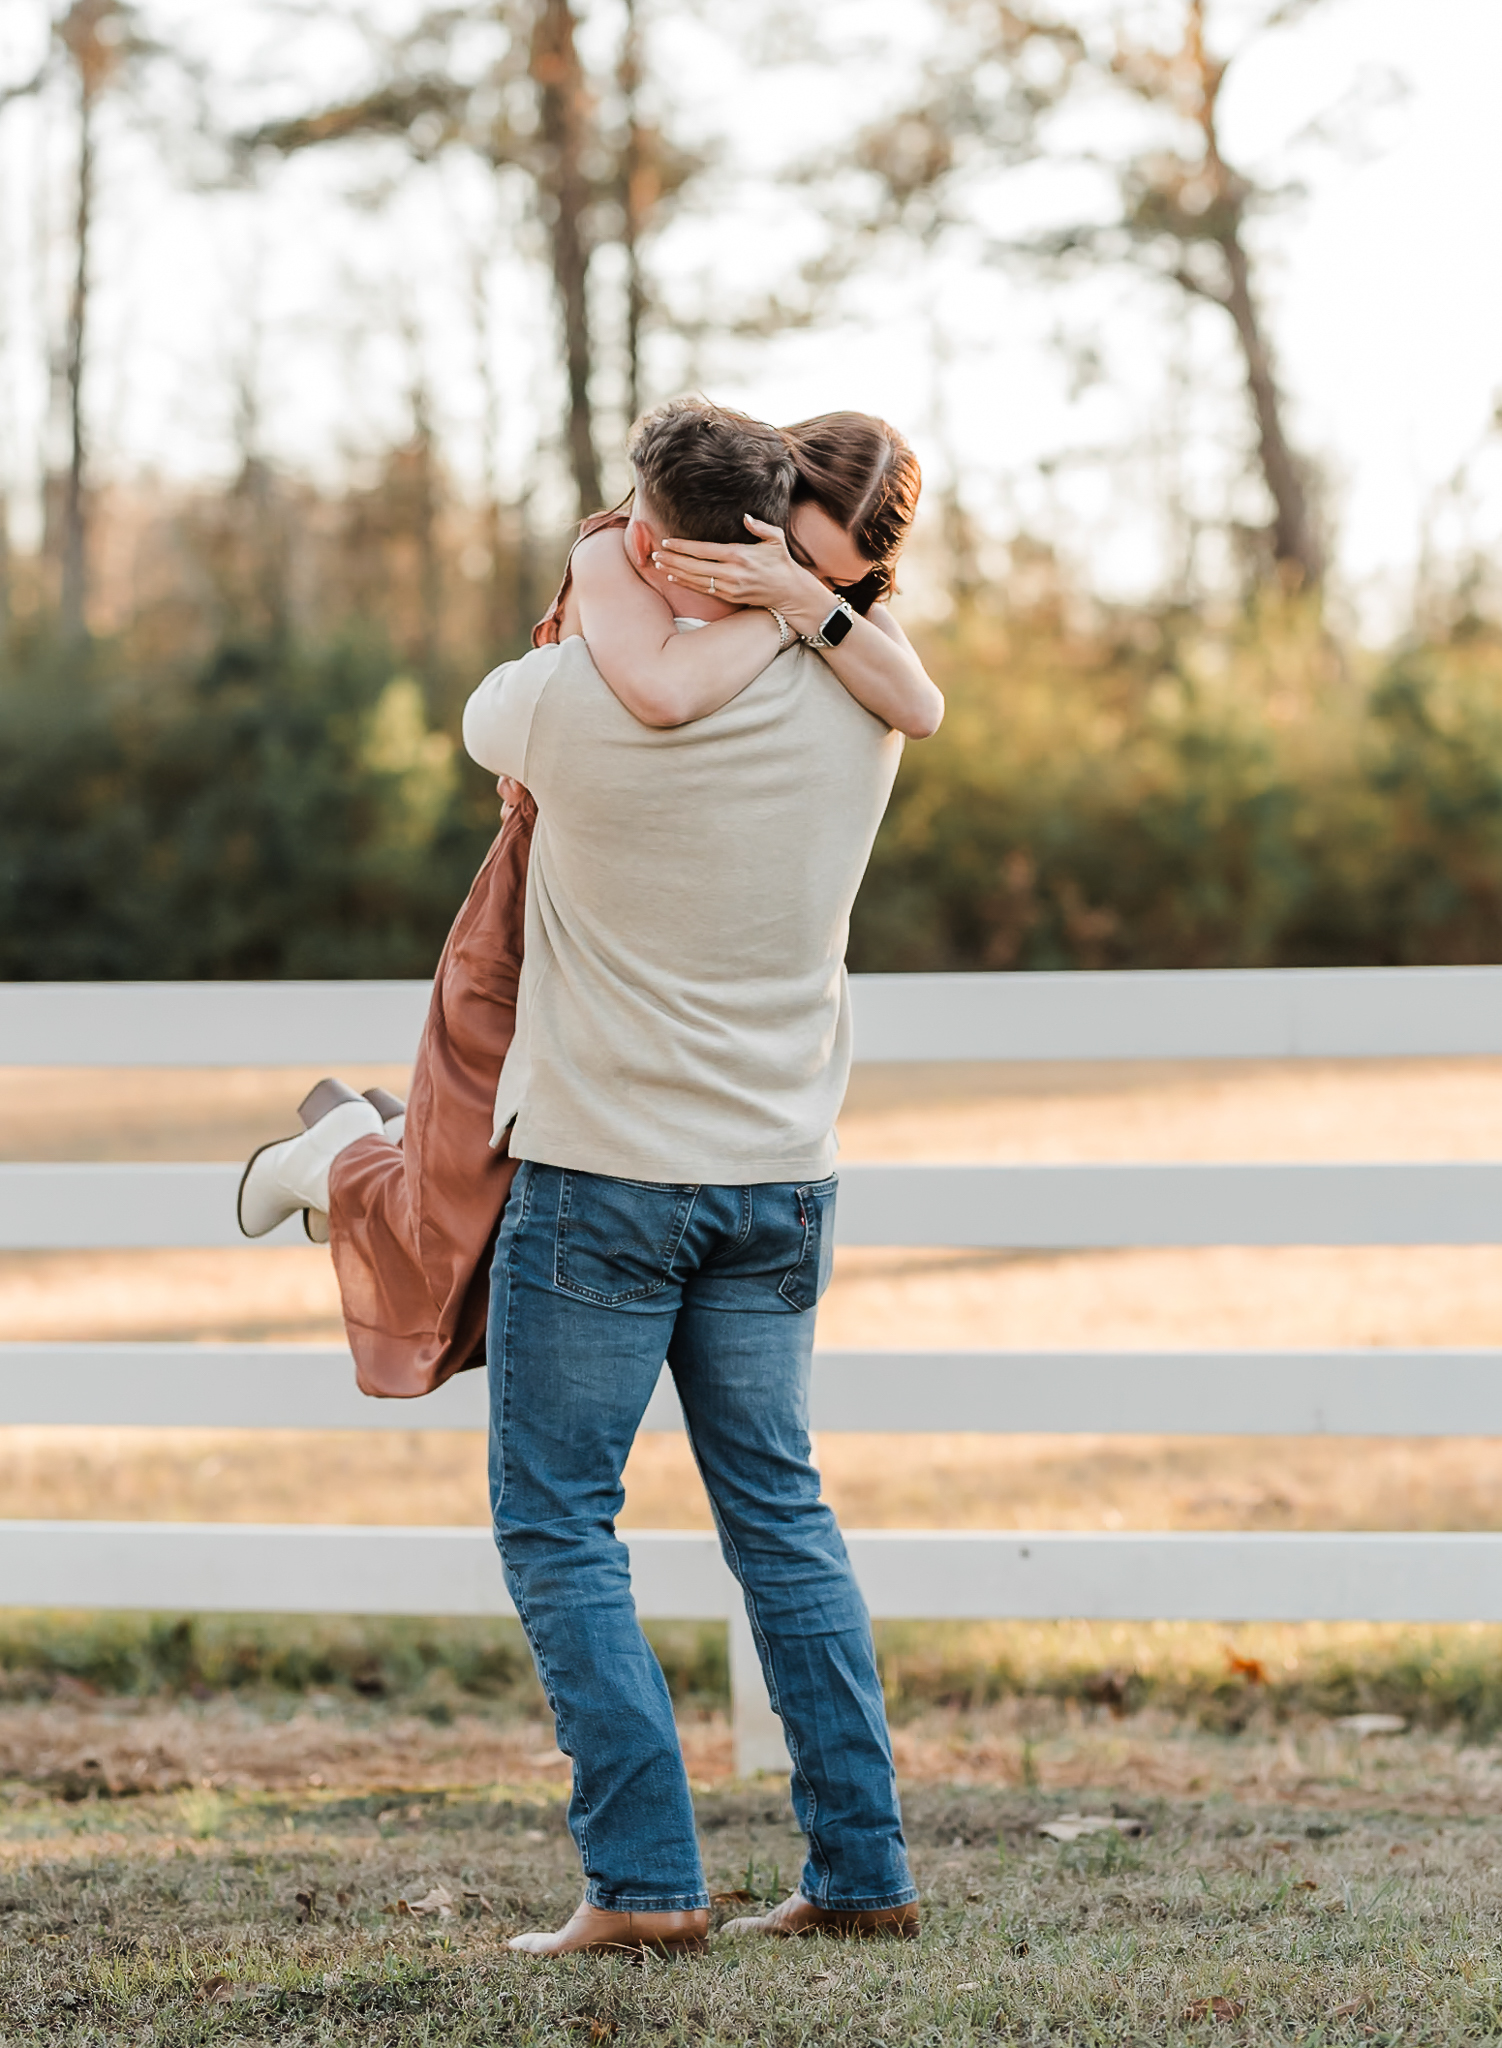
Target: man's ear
{"points": [[639, 545]]}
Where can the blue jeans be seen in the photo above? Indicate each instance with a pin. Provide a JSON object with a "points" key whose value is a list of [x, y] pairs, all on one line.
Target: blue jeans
{"points": [[595, 1282]]}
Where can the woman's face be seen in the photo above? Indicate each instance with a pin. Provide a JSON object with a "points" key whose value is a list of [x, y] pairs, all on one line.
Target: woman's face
{"points": [[822, 544]]}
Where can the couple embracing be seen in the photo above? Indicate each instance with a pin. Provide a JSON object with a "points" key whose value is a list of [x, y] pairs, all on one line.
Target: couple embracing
{"points": [[619, 1146]]}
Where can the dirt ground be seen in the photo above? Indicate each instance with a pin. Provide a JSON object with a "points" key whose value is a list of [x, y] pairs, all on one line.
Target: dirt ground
{"points": [[73, 1746]]}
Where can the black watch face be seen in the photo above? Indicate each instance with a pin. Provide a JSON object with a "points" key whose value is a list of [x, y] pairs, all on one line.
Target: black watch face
{"points": [[835, 627]]}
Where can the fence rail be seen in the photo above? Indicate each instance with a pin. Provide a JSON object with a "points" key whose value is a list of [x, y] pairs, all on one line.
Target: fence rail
{"points": [[1149, 1393], [1323, 1014], [945, 1575], [73, 1206], [1315, 1013]]}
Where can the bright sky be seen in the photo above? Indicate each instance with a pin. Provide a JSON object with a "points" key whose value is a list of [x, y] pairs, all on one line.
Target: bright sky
{"points": [[1381, 286]]}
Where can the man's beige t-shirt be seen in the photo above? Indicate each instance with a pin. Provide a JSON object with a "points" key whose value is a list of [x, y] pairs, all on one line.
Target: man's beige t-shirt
{"points": [[684, 1014]]}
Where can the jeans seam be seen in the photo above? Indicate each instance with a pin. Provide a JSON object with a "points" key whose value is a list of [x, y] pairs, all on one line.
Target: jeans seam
{"points": [[608, 1901], [789, 1279], [769, 1671], [517, 1596]]}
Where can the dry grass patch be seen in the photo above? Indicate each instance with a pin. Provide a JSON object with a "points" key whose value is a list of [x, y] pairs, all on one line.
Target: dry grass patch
{"points": [[1061, 1482], [78, 1748], [222, 1919]]}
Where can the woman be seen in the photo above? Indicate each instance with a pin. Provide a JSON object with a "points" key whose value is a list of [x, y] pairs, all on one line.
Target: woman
{"points": [[412, 1223]]}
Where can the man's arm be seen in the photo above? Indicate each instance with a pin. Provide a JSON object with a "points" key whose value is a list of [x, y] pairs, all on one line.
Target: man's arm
{"points": [[498, 717]]}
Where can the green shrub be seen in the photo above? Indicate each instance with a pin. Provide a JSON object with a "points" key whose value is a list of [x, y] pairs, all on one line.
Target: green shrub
{"points": [[275, 815], [1148, 795], [1136, 791]]}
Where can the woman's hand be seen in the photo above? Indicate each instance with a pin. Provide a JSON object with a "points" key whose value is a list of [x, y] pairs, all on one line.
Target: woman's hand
{"points": [[761, 573]]}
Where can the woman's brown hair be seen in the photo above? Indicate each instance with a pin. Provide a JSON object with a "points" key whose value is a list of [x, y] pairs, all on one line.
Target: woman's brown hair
{"points": [[865, 476]]}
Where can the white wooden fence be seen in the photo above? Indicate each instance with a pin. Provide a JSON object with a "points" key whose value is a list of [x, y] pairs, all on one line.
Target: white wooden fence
{"points": [[1346, 1013]]}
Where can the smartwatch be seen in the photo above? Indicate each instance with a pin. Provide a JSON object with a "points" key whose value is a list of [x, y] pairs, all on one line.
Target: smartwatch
{"points": [[834, 628]]}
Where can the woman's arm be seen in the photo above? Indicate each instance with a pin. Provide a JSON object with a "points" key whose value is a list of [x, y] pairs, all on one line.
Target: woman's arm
{"points": [[875, 660], [662, 676]]}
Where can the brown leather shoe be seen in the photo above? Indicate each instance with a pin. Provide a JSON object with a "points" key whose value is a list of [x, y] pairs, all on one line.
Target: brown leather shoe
{"points": [[592, 1931], [799, 1915]]}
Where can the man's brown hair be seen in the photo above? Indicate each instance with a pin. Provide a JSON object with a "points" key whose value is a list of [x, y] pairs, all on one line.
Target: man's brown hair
{"points": [[700, 467]]}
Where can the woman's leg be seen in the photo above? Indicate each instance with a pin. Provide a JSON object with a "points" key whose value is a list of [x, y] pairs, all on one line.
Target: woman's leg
{"points": [[412, 1231]]}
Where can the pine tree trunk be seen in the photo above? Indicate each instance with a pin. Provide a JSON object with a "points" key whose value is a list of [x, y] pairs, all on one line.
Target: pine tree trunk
{"points": [[632, 181], [565, 122], [73, 607], [1296, 540]]}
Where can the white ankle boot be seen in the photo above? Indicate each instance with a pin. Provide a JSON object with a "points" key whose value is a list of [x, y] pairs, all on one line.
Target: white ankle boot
{"points": [[393, 1114], [293, 1174]]}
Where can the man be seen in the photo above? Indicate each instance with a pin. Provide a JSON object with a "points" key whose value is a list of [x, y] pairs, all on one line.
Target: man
{"points": [[683, 1047]]}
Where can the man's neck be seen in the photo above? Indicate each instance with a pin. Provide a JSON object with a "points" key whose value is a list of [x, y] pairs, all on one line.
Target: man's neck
{"points": [[685, 603]]}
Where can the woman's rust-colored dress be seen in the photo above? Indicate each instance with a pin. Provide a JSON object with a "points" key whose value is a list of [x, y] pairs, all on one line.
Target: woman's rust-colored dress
{"points": [[412, 1227]]}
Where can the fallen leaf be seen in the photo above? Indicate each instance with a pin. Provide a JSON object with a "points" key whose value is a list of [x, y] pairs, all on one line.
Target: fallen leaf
{"points": [[1252, 1669], [307, 1904], [342, 1898], [1215, 2009], [479, 1901], [1346, 2012], [1109, 1689], [735, 1898], [1072, 1827], [438, 1903], [967, 1987], [822, 1977], [1363, 1725], [66, 1687], [225, 1991], [1306, 1884]]}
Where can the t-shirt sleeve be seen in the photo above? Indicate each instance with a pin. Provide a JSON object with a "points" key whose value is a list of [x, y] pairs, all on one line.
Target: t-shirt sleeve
{"points": [[498, 717]]}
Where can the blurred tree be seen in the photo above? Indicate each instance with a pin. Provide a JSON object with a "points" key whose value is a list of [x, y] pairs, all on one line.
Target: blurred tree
{"points": [[10, 95], [528, 108], [99, 51], [989, 98]]}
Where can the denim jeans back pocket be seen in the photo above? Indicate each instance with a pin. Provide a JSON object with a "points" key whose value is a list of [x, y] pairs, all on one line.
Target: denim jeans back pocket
{"points": [[804, 1284], [617, 1239]]}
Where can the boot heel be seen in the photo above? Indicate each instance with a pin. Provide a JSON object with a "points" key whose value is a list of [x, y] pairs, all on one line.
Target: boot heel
{"points": [[383, 1100], [328, 1095]]}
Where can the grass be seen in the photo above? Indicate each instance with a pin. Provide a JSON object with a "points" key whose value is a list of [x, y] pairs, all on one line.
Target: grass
{"points": [[177, 1921], [1215, 1678]]}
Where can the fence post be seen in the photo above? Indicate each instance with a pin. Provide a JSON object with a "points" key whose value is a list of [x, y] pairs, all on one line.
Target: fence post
{"points": [[759, 1742]]}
